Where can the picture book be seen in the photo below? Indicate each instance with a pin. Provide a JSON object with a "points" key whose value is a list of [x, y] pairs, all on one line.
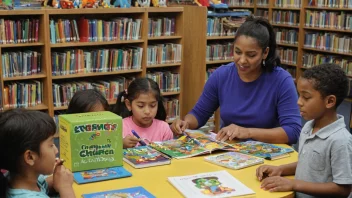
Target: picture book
{"points": [[144, 156], [234, 160], [189, 145], [134, 192], [263, 150], [90, 141], [213, 184], [100, 174]]}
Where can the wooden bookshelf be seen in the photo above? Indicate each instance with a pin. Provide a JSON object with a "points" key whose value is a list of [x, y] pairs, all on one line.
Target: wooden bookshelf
{"points": [[45, 47]]}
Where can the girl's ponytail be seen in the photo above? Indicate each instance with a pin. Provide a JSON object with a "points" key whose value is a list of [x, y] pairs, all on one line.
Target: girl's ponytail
{"points": [[120, 106]]}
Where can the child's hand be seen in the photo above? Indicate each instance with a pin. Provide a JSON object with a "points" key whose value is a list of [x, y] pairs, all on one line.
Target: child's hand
{"points": [[130, 141], [278, 184], [63, 179], [268, 171], [179, 126]]}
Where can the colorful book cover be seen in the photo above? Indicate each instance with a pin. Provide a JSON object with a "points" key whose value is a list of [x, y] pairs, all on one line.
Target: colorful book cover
{"points": [[179, 148], [100, 174], [234, 160], [213, 184], [134, 192], [144, 156], [192, 144], [263, 150]]}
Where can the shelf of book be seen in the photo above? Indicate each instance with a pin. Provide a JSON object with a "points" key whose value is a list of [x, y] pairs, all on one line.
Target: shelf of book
{"points": [[34, 76], [218, 62], [164, 65], [327, 29], [327, 8], [103, 43], [39, 107], [220, 37], [164, 37], [63, 59], [22, 45], [82, 75], [287, 45], [327, 51]]}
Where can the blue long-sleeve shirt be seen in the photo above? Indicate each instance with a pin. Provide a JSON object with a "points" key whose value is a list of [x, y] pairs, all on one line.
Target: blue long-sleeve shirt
{"points": [[268, 102]]}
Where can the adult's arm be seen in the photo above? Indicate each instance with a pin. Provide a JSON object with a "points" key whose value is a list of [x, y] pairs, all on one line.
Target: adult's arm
{"points": [[207, 103], [288, 110]]}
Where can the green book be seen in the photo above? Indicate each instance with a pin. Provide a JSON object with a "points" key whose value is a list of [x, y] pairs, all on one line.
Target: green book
{"points": [[90, 140]]}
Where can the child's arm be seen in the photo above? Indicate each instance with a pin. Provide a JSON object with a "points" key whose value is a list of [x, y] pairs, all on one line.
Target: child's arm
{"points": [[269, 171], [280, 184]]}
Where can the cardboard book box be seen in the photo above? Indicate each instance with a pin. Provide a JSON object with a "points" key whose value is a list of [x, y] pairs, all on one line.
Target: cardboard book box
{"points": [[91, 140]]}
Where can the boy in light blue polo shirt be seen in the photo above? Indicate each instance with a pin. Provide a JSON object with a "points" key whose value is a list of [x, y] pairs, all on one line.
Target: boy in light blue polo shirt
{"points": [[324, 166]]}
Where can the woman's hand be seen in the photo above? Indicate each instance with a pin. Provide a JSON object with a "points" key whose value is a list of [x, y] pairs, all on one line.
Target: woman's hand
{"points": [[130, 141], [179, 126], [231, 132], [268, 171], [278, 184]]}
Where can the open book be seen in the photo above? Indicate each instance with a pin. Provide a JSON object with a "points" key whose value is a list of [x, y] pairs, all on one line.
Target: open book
{"points": [[234, 160], [144, 156], [192, 144], [213, 184], [263, 150]]}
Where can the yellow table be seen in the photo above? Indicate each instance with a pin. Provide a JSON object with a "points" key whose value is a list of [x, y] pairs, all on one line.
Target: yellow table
{"points": [[154, 179]]}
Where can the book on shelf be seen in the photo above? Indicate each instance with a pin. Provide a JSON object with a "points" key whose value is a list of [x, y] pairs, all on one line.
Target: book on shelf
{"points": [[78, 61], [212, 184], [166, 53], [24, 30], [167, 81], [161, 27], [23, 94], [21, 63], [234, 160], [133, 192], [219, 51], [192, 144], [94, 30], [144, 156], [96, 175], [110, 88]]}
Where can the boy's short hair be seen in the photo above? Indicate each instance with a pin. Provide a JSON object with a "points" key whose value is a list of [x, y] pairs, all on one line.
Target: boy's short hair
{"points": [[328, 79]]}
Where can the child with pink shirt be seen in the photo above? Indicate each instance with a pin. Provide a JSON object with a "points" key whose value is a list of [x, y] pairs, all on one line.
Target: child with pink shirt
{"points": [[143, 111]]}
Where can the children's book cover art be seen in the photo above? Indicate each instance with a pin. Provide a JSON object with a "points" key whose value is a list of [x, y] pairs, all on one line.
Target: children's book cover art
{"points": [[179, 148], [134, 192], [206, 140], [263, 150], [234, 160], [144, 156], [100, 174], [213, 184]]}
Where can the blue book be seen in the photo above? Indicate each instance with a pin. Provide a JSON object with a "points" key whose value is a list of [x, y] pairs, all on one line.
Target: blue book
{"points": [[100, 174], [134, 192]]}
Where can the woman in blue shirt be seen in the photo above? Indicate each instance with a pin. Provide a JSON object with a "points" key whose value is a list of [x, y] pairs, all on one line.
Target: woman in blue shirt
{"points": [[257, 98]]}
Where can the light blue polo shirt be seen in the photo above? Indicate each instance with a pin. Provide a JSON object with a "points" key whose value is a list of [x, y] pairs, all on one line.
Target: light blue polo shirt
{"points": [[325, 156], [22, 193]]}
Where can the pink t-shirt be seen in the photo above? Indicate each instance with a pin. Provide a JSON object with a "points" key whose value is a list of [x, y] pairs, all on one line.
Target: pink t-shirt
{"points": [[158, 131]]}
